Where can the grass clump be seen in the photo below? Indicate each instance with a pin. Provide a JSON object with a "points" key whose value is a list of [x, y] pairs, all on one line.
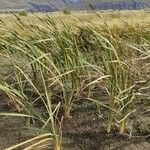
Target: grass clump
{"points": [[66, 12], [23, 13], [56, 66]]}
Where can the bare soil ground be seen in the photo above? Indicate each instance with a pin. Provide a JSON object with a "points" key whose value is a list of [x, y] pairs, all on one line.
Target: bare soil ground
{"points": [[86, 130]]}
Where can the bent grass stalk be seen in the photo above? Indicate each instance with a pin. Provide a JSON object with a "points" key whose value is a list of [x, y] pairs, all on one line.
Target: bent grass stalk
{"points": [[49, 124], [112, 64]]}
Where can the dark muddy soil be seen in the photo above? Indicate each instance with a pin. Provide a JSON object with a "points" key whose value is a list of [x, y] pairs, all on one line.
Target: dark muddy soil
{"points": [[86, 130]]}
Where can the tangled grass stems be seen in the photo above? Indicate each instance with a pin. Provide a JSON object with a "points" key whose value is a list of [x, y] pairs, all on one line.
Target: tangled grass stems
{"points": [[46, 57]]}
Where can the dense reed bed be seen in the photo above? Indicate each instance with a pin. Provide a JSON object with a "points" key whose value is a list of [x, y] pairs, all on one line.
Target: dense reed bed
{"points": [[49, 68]]}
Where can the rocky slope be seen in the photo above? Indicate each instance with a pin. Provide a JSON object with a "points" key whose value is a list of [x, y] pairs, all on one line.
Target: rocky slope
{"points": [[55, 5]]}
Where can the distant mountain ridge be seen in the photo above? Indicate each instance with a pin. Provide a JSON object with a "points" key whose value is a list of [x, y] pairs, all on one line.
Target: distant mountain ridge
{"points": [[59, 5]]}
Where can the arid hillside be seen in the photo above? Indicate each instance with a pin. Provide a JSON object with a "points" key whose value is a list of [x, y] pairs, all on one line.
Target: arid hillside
{"points": [[59, 5]]}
